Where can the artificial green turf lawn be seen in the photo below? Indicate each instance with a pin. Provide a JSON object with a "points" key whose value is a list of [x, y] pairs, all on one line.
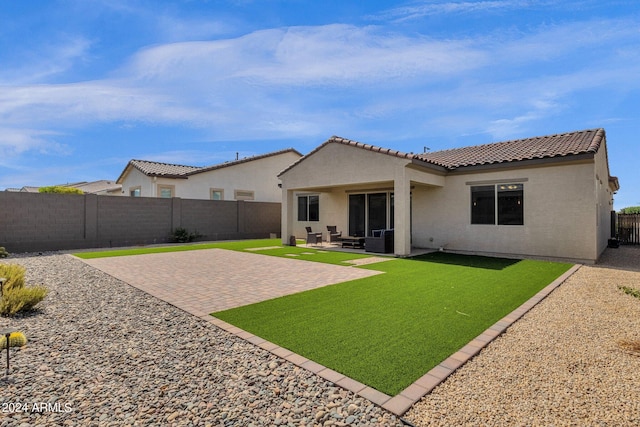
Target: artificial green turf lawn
{"points": [[388, 330], [234, 245], [299, 252]]}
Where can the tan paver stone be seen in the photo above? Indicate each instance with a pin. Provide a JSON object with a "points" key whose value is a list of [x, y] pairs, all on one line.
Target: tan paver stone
{"points": [[351, 384], [452, 363], [428, 381], [377, 397], [331, 375], [282, 352], [369, 260], [209, 280], [296, 359], [414, 391], [312, 366], [398, 404], [440, 372], [268, 345]]}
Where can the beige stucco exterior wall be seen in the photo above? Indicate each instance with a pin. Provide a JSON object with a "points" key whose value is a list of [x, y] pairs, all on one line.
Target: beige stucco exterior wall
{"points": [[604, 197], [342, 165], [567, 204], [559, 214], [134, 179], [259, 176]]}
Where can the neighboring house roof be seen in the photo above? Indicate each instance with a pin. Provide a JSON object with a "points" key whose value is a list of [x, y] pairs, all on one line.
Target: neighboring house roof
{"points": [[167, 170], [558, 145], [30, 189], [245, 160], [94, 187]]}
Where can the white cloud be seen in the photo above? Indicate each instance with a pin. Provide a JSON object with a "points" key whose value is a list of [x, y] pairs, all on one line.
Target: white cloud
{"points": [[421, 9], [310, 81], [326, 55], [46, 61]]}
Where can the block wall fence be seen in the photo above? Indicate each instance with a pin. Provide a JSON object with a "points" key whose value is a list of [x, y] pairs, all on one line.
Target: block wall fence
{"points": [[34, 222]]}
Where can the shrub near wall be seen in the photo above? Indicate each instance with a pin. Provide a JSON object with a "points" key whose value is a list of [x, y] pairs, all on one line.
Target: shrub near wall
{"points": [[16, 297]]}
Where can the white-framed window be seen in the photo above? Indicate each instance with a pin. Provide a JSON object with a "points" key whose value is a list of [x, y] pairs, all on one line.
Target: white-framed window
{"points": [[166, 191], [135, 191], [497, 204], [216, 194], [309, 207], [243, 195]]}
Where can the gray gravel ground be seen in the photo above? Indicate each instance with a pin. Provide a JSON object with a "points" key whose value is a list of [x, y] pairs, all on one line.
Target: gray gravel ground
{"points": [[560, 365], [102, 353]]}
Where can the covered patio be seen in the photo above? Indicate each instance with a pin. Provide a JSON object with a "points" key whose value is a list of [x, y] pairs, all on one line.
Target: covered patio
{"points": [[377, 197]]}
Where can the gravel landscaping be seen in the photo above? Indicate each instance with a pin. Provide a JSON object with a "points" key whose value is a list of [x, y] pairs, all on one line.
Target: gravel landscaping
{"points": [[559, 365], [103, 353]]}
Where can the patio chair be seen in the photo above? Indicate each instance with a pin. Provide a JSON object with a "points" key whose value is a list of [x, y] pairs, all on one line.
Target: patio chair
{"points": [[334, 236], [313, 237], [380, 241]]}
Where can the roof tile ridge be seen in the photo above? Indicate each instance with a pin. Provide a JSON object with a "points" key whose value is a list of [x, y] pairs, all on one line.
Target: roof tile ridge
{"points": [[369, 147], [164, 163]]}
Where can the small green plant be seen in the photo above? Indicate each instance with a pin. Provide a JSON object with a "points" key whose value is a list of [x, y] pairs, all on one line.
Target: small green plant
{"points": [[16, 339], [21, 299], [182, 235], [58, 189], [16, 297], [3, 252], [630, 291], [14, 274]]}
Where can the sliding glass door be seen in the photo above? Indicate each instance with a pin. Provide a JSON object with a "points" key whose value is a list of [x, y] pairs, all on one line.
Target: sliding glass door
{"points": [[357, 211], [371, 211], [377, 212]]}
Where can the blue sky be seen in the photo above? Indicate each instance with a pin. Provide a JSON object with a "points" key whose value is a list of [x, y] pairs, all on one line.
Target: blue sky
{"points": [[87, 85]]}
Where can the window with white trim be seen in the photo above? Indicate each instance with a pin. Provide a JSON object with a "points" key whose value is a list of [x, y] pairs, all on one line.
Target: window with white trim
{"points": [[166, 191], [217, 194]]}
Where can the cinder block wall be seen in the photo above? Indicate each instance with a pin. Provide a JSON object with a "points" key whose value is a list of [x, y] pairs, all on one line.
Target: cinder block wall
{"points": [[42, 222]]}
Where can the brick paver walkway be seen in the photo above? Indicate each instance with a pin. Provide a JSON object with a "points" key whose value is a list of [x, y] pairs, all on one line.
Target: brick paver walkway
{"points": [[204, 281]]}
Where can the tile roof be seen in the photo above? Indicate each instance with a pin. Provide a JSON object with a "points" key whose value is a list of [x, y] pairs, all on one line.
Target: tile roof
{"points": [[244, 160], [168, 170], [162, 169], [94, 187], [339, 140], [541, 147]]}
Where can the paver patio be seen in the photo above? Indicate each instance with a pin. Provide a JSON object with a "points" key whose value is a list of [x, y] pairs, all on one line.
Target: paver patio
{"points": [[204, 281]]}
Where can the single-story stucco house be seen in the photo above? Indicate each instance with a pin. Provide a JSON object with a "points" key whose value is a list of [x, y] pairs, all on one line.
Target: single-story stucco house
{"points": [[250, 178], [547, 197]]}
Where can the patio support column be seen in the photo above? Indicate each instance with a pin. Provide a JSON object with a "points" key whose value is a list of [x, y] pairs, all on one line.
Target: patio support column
{"points": [[287, 216], [402, 214]]}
